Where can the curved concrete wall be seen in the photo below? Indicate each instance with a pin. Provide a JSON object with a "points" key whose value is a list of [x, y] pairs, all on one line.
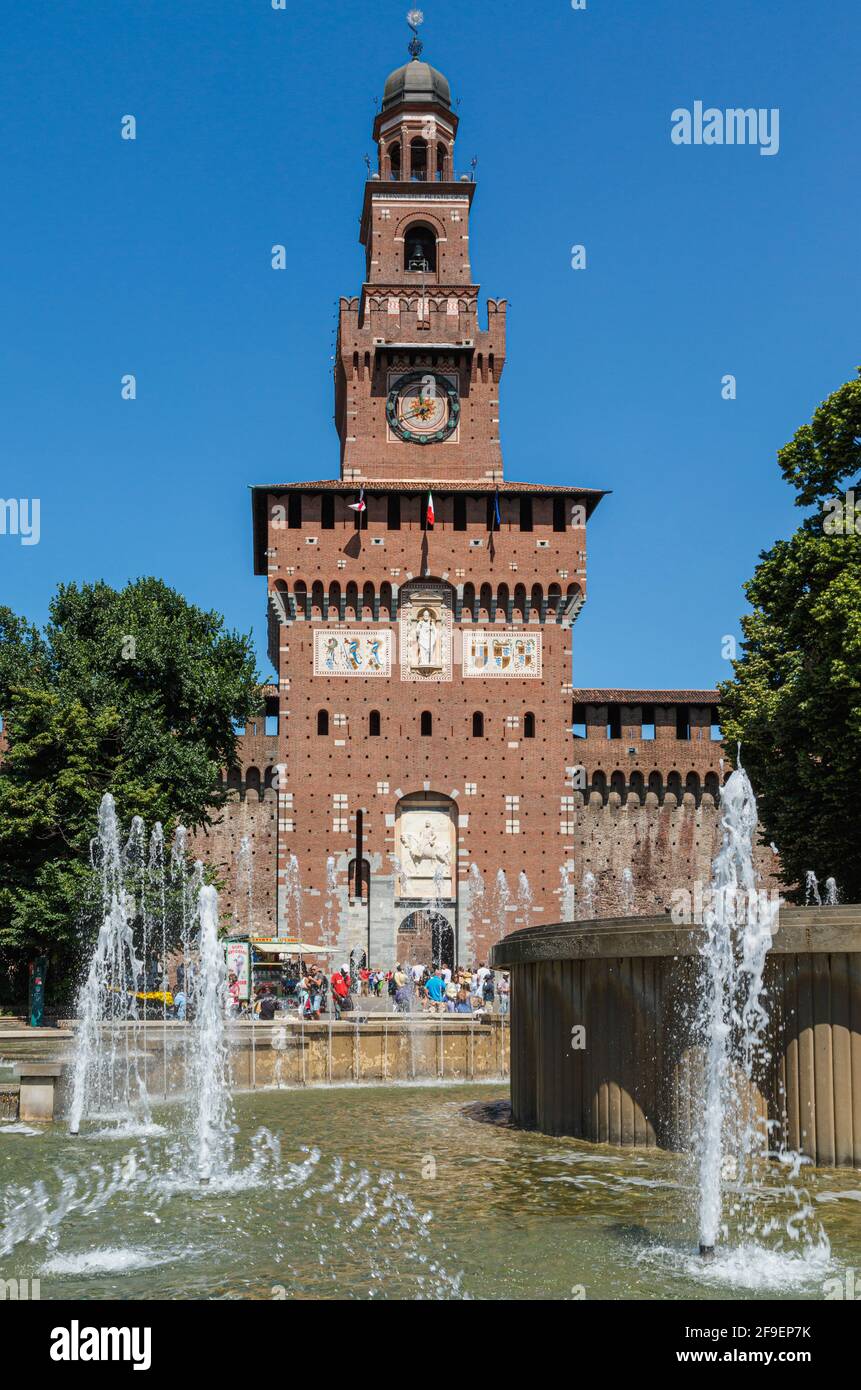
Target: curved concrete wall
{"points": [[632, 1077]]}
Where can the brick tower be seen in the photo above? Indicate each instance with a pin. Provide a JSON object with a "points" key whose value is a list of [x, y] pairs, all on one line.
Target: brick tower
{"points": [[420, 604]]}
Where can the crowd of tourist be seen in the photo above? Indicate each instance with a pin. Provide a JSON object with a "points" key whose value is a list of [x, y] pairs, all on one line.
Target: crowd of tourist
{"points": [[408, 988]]}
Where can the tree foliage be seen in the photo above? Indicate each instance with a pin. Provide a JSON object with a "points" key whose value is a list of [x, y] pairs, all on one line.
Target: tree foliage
{"points": [[135, 692], [795, 701]]}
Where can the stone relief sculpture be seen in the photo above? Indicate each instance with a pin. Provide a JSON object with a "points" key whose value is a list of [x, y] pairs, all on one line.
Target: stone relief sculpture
{"points": [[426, 621]]}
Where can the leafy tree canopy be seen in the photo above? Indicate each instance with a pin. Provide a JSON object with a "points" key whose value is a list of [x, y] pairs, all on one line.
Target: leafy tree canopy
{"points": [[136, 692], [795, 700]]}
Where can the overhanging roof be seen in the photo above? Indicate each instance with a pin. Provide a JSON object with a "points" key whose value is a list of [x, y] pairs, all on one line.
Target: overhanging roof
{"points": [[646, 697]]}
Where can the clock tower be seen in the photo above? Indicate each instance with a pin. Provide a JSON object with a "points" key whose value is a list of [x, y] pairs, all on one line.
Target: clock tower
{"points": [[421, 603], [417, 380]]}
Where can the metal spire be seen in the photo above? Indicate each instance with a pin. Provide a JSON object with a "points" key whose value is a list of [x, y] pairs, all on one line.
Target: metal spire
{"points": [[414, 19]]}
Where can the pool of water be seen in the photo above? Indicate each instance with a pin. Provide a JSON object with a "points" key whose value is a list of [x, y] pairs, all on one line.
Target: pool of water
{"points": [[396, 1192]]}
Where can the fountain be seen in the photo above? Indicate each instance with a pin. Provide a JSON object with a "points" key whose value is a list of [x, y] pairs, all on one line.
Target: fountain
{"points": [[588, 894], [293, 898], [627, 892], [567, 895], [525, 898], [245, 883], [501, 900], [210, 1093], [739, 923], [832, 893], [106, 1077], [811, 889]]}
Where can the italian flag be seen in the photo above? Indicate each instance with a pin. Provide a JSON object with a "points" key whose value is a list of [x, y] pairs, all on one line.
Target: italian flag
{"points": [[430, 509]]}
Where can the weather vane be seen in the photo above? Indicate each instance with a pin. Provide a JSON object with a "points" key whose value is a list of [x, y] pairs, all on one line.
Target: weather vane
{"points": [[414, 19]]}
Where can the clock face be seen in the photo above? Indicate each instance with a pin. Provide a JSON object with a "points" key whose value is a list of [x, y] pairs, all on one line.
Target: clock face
{"points": [[423, 408]]}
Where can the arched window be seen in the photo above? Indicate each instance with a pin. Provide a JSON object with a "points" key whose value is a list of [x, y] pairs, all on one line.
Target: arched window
{"points": [[419, 160], [478, 724], [468, 608], [529, 725], [322, 721], [352, 604], [374, 723], [674, 786], [420, 249], [485, 602], [441, 163], [427, 724], [395, 161]]}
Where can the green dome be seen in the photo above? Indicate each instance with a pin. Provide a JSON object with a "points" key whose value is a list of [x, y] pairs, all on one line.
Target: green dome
{"points": [[418, 84]]}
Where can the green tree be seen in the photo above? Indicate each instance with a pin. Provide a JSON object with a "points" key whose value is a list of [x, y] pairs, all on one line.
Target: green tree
{"points": [[795, 701], [136, 692]]}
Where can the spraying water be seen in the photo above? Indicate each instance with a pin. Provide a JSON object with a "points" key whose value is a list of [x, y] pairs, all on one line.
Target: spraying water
{"points": [[501, 900], [106, 1076], [739, 923], [212, 1127], [627, 893], [832, 893], [811, 889], [245, 883], [567, 895], [524, 899], [588, 894]]}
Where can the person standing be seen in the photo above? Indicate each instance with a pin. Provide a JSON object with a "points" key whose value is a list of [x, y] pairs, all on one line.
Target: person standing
{"points": [[504, 993]]}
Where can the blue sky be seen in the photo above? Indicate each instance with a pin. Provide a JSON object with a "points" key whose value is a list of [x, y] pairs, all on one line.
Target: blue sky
{"points": [[152, 257]]}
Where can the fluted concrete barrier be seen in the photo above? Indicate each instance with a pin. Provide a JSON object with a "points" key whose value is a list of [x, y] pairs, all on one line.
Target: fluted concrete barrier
{"points": [[632, 1076]]}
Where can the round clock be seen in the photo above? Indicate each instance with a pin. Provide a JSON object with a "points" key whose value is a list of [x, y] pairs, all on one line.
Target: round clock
{"points": [[423, 408]]}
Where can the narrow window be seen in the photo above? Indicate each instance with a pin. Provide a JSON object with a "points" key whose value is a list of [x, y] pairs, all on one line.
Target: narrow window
{"points": [[614, 721], [526, 513], [394, 511], [322, 721], [716, 734], [478, 725], [427, 724], [374, 723], [559, 504], [294, 511], [459, 512], [683, 722], [327, 512], [529, 726], [578, 721], [647, 721]]}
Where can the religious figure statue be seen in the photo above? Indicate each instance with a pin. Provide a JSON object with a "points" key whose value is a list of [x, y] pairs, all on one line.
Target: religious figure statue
{"points": [[427, 638]]}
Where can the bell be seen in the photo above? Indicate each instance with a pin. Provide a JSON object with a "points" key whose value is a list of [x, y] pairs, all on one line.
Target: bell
{"points": [[418, 260]]}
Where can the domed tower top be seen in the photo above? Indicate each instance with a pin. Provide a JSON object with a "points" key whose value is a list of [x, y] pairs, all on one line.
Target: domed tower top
{"points": [[416, 83]]}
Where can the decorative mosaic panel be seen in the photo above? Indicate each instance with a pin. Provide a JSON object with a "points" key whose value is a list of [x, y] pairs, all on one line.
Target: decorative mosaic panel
{"points": [[339, 653], [426, 621], [495, 652]]}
